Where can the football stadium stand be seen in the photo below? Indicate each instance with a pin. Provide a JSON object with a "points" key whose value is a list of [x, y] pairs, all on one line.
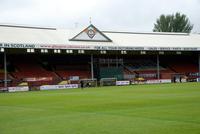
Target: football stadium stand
{"points": [[48, 56]]}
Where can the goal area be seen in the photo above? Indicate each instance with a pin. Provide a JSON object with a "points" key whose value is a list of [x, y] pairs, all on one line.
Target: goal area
{"points": [[108, 81], [89, 82]]}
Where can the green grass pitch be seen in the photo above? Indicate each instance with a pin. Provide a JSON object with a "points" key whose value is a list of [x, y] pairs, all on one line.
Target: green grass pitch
{"points": [[136, 109]]}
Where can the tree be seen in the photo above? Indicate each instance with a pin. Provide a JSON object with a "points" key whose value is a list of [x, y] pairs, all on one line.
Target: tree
{"points": [[173, 23]]}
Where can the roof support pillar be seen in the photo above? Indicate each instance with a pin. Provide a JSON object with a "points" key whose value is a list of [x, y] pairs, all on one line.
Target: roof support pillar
{"points": [[117, 61], [92, 66], [5, 71], [199, 62], [108, 62], [158, 67]]}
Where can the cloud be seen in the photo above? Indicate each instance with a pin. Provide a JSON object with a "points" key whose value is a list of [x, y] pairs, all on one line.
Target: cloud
{"points": [[125, 15]]}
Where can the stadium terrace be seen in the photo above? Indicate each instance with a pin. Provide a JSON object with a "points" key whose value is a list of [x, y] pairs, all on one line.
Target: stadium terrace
{"points": [[49, 58]]}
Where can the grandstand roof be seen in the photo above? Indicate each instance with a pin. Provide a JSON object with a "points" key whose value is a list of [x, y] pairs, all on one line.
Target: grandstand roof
{"points": [[16, 36]]}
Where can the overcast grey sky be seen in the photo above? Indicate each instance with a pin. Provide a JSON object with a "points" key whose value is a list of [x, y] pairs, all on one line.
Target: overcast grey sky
{"points": [[122, 15]]}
